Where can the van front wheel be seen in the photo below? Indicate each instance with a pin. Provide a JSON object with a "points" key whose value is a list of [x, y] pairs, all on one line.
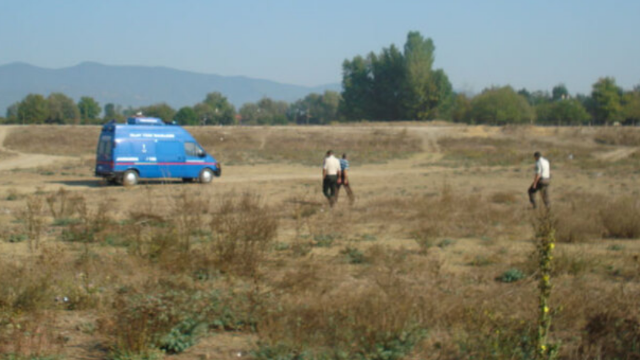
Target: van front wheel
{"points": [[206, 175], [130, 178]]}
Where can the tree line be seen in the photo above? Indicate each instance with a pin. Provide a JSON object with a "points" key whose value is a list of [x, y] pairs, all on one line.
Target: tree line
{"points": [[402, 85], [392, 85], [215, 109]]}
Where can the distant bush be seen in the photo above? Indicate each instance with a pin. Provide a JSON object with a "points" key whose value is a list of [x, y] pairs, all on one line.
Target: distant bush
{"points": [[353, 255], [511, 275]]}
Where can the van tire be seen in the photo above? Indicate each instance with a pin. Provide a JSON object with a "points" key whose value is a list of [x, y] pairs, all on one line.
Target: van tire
{"points": [[206, 175], [130, 178]]}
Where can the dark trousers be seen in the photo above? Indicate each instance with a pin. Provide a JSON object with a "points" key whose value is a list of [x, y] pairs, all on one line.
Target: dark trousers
{"points": [[347, 188], [543, 188], [329, 187]]}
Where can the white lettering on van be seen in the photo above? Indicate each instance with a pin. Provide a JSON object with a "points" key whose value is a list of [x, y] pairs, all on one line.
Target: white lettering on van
{"points": [[163, 136]]}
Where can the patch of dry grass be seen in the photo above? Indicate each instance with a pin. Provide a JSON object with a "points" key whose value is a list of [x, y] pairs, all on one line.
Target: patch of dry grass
{"points": [[258, 145], [620, 218], [164, 266], [237, 145], [54, 140], [619, 136], [483, 151]]}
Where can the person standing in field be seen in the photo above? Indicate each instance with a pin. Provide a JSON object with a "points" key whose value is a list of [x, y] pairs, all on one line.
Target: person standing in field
{"points": [[541, 180], [343, 181], [330, 175]]}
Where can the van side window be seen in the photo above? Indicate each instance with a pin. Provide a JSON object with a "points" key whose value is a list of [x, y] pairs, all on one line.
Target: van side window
{"points": [[190, 149]]}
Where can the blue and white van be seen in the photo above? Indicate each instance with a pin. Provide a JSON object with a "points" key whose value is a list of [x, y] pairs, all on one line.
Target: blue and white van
{"points": [[147, 148]]}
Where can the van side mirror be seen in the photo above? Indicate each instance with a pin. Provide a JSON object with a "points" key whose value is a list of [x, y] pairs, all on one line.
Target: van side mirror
{"points": [[201, 154]]}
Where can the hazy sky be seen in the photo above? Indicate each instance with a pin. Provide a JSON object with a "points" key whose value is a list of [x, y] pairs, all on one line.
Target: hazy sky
{"points": [[534, 44]]}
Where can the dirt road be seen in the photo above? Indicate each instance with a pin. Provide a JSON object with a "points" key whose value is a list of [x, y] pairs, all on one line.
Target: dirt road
{"points": [[19, 160]]}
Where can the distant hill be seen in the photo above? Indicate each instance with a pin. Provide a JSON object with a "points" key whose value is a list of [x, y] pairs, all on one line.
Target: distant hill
{"points": [[139, 85]]}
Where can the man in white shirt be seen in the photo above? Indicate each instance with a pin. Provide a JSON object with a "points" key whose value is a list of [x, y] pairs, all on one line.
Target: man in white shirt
{"points": [[330, 175], [541, 180]]}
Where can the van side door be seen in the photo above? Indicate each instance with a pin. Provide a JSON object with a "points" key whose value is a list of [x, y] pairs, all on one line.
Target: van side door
{"points": [[171, 158]]}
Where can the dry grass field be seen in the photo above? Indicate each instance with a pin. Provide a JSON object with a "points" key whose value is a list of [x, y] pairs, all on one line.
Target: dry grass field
{"points": [[436, 259]]}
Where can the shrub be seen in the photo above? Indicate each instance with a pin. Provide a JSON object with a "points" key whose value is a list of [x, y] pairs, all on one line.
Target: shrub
{"points": [[29, 336], [12, 195], [166, 316], [511, 275], [61, 204], [24, 289], [612, 336], [32, 219], [90, 224], [355, 325], [489, 335], [189, 210], [354, 255], [16, 238], [324, 240], [615, 247], [575, 263], [445, 243], [243, 231], [480, 260]]}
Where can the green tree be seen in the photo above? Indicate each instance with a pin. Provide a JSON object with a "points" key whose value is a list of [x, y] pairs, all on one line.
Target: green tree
{"points": [[499, 106], [418, 57], [249, 113], [205, 114], [271, 112], [559, 92], [357, 94], [12, 112], [607, 100], [33, 109], [563, 112], [219, 111], [535, 98], [186, 116], [113, 112], [428, 93], [389, 76], [89, 109], [394, 85], [62, 109], [162, 111], [442, 96], [461, 111], [316, 108], [630, 109]]}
